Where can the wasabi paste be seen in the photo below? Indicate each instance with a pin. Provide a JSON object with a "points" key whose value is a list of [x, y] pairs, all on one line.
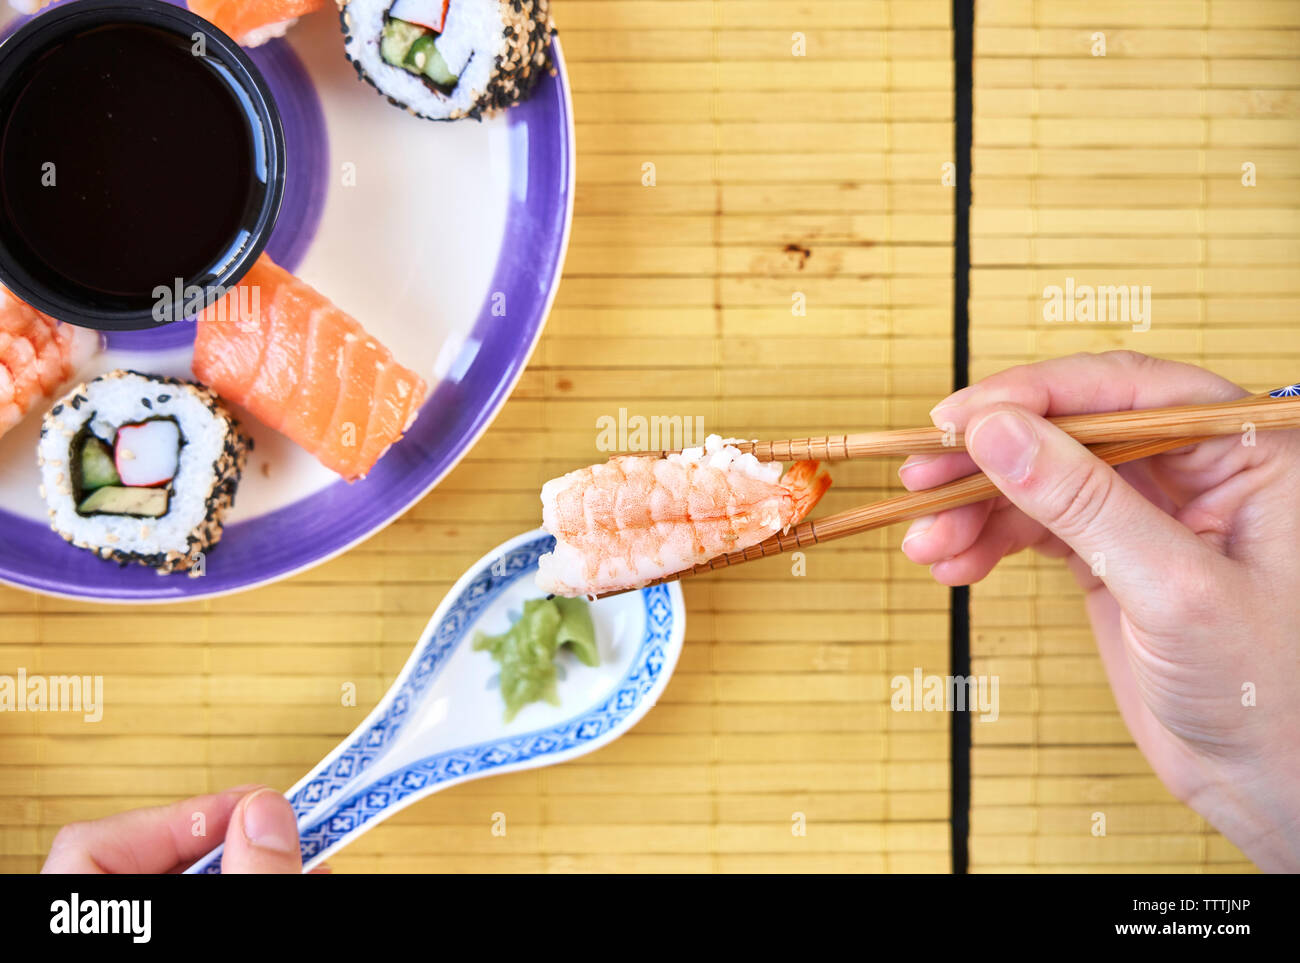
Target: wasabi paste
{"points": [[526, 651]]}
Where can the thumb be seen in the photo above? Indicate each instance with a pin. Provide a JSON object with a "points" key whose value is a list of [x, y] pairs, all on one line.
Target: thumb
{"points": [[262, 836], [1142, 554]]}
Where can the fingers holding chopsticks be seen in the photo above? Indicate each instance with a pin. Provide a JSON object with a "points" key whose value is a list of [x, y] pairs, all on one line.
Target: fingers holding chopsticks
{"points": [[1063, 487], [963, 545], [933, 538], [1057, 496], [1074, 385], [1007, 531], [928, 471], [1089, 383]]}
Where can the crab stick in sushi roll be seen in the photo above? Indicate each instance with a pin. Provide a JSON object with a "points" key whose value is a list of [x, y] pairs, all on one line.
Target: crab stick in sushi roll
{"points": [[638, 518], [306, 369]]}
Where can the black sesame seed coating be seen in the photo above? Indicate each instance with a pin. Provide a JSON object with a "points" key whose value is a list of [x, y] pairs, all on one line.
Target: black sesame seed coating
{"points": [[515, 73], [226, 473]]}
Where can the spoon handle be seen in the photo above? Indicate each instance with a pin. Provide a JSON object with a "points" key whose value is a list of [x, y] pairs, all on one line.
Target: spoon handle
{"points": [[363, 752], [315, 795], [359, 760]]}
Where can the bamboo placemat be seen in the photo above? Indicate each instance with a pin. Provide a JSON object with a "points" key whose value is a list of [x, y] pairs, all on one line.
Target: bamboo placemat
{"points": [[775, 176], [1127, 169]]}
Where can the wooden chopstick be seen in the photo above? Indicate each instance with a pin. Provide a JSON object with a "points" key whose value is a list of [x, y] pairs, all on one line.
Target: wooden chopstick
{"points": [[1114, 437], [901, 508], [1262, 410]]}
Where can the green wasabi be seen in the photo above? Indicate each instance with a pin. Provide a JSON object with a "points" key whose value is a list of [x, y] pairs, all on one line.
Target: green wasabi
{"points": [[526, 651]]}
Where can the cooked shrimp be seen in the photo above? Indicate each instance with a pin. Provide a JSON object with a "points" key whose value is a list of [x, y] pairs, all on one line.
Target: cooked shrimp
{"points": [[10, 413], [636, 518], [37, 356]]}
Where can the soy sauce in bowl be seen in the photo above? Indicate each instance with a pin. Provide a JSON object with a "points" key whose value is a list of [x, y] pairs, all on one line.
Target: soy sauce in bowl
{"points": [[136, 154], [108, 176]]}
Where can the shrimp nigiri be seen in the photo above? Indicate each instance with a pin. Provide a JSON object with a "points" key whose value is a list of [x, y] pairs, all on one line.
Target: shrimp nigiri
{"points": [[253, 22], [637, 518], [38, 355]]}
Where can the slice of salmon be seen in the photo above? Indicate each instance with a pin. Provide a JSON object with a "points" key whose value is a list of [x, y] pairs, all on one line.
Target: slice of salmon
{"points": [[247, 344], [319, 378], [277, 381], [313, 404], [399, 393], [344, 440], [232, 341]]}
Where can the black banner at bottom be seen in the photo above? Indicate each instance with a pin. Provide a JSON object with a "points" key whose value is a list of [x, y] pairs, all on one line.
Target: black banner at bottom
{"points": [[135, 913]]}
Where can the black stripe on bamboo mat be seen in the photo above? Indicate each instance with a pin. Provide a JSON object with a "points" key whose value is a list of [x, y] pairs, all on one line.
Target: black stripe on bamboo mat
{"points": [[963, 42]]}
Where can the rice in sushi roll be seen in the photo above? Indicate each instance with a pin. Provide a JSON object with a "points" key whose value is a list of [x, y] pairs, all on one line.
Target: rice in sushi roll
{"points": [[448, 59], [138, 468]]}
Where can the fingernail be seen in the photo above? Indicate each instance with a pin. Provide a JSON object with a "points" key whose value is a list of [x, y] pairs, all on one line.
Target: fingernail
{"points": [[916, 461], [269, 822], [246, 788], [953, 400], [919, 527], [1003, 443]]}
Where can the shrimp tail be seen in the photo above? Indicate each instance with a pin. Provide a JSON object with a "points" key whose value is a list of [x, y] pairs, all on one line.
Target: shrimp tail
{"points": [[805, 486]]}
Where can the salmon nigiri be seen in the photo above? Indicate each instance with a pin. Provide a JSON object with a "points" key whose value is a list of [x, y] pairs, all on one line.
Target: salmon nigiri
{"points": [[306, 369], [38, 356], [253, 22]]}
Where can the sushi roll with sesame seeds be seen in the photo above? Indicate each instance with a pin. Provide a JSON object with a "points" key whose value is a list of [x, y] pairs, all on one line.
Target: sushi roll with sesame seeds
{"points": [[448, 59], [139, 468]]}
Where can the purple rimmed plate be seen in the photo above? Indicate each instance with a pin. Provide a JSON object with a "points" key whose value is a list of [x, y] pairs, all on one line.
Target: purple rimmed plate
{"points": [[446, 241]]}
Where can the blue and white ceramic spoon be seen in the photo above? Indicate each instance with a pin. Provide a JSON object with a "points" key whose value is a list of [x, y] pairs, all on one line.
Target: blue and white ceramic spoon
{"points": [[441, 723]]}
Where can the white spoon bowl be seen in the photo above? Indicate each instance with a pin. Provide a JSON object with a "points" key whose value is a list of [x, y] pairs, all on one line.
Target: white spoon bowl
{"points": [[443, 720]]}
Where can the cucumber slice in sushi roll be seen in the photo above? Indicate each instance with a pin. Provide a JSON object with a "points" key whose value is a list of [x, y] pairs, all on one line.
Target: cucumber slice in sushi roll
{"points": [[448, 59], [141, 469]]}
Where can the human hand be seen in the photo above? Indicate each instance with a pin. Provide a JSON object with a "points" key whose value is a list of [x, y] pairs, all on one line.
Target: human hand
{"points": [[259, 826], [1188, 561]]}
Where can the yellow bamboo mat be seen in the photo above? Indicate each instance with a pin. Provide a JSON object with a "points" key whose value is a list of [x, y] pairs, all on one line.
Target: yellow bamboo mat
{"points": [[1122, 169], [778, 180]]}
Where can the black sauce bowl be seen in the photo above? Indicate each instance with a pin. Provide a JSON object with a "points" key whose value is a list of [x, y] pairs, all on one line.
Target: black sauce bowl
{"points": [[62, 297]]}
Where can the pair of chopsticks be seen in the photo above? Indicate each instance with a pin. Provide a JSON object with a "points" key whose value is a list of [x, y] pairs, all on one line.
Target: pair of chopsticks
{"points": [[1114, 437]]}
